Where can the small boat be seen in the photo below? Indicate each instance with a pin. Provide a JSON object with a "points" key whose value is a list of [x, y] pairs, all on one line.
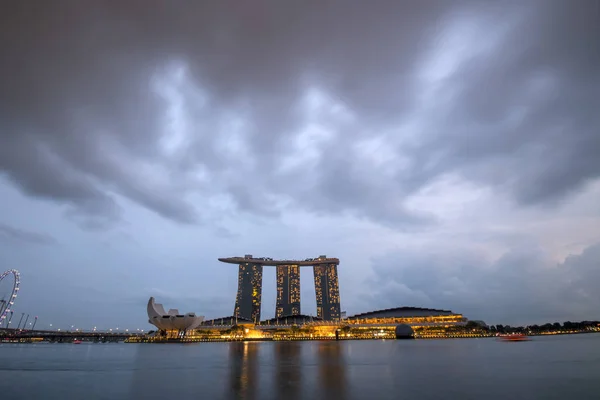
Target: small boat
{"points": [[517, 337], [77, 341]]}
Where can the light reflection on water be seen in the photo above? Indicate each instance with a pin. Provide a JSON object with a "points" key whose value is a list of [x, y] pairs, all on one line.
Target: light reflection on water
{"points": [[545, 368]]}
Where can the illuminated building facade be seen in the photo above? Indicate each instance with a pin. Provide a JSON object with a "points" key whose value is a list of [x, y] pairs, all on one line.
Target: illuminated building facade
{"points": [[288, 290], [249, 294], [414, 316], [327, 291], [248, 300]]}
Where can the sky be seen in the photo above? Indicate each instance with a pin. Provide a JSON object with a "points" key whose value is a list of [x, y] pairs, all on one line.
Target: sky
{"points": [[448, 153]]}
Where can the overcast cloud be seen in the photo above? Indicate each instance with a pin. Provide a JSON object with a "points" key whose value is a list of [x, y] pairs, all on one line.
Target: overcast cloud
{"points": [[447, 152]]}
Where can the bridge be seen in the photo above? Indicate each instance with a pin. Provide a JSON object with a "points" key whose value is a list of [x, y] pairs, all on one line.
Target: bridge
{"points": [[17, 335]]}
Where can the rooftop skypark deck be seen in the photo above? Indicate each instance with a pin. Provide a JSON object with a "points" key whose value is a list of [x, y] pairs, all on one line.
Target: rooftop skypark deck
{"points": [[266, 261]]}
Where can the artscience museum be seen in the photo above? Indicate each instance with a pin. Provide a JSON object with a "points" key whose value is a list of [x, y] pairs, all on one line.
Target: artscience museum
{"points": [[171, 321]]}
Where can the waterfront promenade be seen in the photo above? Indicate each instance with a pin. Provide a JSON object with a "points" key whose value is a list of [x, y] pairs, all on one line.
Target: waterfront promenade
{"points": [[262, 333]]}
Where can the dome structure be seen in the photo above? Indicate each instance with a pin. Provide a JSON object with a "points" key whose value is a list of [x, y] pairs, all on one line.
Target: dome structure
{"points": [[404, 331], [172, 320]]}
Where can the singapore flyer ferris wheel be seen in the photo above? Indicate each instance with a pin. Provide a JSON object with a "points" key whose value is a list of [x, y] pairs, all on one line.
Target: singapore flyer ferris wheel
{"points": [[6, 302]]}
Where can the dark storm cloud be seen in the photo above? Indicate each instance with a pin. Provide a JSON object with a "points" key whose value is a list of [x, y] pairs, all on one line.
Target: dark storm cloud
{"points": [[11, 234], [81, 122], [527, 119], [522, 286]]}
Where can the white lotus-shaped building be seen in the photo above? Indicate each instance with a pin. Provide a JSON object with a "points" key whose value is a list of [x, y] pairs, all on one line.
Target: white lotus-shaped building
{"points": [[172, 320]]}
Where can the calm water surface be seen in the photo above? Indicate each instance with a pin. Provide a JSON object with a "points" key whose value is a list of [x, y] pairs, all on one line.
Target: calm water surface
{"points": [[557, 367]]}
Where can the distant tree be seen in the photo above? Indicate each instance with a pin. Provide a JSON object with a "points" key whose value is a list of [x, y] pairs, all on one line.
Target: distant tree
{"points": [[472, 325], [234, 329], [546, 327]]}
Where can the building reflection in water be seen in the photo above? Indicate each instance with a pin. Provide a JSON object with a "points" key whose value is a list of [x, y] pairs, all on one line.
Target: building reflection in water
{"points": [[243, 370], [287, 379], [288, 372], [332, 370]]}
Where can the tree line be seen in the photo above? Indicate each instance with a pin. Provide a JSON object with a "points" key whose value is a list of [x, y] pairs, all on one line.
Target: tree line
{"points": [[548, 327]]}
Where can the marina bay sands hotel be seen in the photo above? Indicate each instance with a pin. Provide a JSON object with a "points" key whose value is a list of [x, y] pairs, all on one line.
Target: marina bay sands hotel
{"points": [[249, 293]]}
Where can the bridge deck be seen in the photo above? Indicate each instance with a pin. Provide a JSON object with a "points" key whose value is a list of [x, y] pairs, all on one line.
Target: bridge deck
{"points": [[64, 335]]}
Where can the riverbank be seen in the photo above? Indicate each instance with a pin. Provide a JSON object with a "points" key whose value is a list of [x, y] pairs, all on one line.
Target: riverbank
{"points": [[291, 338]]}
